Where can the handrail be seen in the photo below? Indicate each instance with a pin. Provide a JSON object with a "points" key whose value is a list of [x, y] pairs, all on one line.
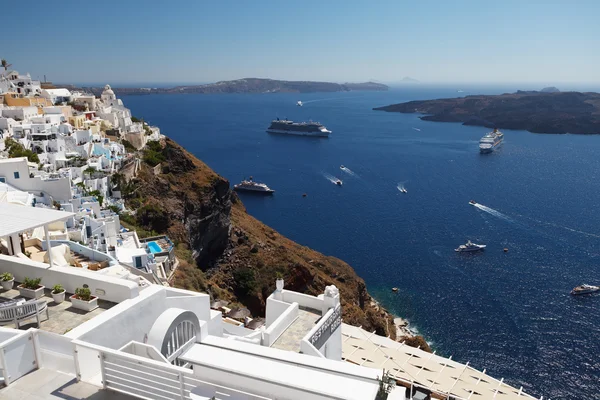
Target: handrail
{"points": [[177, 385]]}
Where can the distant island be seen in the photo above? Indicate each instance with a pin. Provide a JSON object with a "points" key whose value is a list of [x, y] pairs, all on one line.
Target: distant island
{"points": [[252, 85], [546, 111], [408, 79]]}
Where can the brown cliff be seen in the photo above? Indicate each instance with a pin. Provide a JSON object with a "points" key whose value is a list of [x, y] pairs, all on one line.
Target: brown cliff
{"points": [[230, 254]]}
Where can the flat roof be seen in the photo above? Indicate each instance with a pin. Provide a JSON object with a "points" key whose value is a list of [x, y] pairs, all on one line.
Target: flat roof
{"points": [[17, 219], [327, 383]]}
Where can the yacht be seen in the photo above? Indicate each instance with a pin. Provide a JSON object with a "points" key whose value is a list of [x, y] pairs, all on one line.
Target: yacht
{"points": [[490, 141], [288, 127], [251, 186], [585, 289], [470, 247]]}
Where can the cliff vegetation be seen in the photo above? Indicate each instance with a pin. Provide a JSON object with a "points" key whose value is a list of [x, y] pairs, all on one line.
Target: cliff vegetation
{"points": [[225, 251]]}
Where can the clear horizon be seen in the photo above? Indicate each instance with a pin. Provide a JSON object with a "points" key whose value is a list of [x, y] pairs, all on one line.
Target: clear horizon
{"points": [[467, 42]]}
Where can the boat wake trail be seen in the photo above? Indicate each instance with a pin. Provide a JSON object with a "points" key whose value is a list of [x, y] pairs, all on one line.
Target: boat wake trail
{"points": [[417, 129], [330, 178], [563, 227], [493, 212], [348, 171]]}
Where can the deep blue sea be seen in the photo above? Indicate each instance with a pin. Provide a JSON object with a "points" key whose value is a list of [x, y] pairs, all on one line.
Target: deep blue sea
{"points": [[510, 313]]}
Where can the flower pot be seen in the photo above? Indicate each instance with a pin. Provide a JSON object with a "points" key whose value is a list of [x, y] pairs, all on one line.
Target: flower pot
{"points": [[279, 284], [84, 305], [32, 293], [58, 297], [7, 285]]}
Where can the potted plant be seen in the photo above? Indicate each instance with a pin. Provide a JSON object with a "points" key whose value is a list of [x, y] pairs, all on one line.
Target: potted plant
{"points": [[279, 282], [7, 280], [84, 300], [31, 288], [58, 293]]}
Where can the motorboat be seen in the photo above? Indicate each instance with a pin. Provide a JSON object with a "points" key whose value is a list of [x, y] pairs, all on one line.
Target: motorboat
{"points": [[472, 202], [299, 104], [342, 167], [470, 247], [584, 289], [338, 182]]}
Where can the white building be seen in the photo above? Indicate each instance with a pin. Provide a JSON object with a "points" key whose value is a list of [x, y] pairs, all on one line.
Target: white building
{"points": [[57, 96], [21, 84], [15, 172]]}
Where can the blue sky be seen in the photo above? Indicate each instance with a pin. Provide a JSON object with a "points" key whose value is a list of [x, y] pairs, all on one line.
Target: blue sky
{"points": [[204, 41]]}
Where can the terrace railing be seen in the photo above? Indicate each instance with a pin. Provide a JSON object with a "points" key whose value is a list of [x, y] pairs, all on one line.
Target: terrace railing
{"points": [[145, 378], [17, 356]]}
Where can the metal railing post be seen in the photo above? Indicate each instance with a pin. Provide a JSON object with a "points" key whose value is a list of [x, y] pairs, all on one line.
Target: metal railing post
{"points": [[101, 356], [182, 385]]}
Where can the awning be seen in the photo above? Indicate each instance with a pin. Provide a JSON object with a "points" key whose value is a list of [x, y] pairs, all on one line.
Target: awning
{"points": [[17, 219]]}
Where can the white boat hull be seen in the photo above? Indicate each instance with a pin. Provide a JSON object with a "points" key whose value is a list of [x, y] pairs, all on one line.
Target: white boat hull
{"points": [[298, 133]]}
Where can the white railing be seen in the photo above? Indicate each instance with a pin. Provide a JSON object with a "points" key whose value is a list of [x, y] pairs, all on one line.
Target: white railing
{"points": [[145, 378], [17, 356]]}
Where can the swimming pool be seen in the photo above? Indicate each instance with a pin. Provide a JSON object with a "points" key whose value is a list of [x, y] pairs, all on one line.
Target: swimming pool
{"points": [[154, 247]]}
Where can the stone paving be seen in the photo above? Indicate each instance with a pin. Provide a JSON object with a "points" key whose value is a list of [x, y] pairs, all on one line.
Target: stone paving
{"points": [[44, 384], [291, 337], [62, 317]]}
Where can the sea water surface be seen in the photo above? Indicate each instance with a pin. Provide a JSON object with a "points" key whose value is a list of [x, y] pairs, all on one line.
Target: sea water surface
{"points": [[510, 313]]}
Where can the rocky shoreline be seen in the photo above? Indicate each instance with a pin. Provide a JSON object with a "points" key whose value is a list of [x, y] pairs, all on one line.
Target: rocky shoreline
{"points": [[537, 112]]}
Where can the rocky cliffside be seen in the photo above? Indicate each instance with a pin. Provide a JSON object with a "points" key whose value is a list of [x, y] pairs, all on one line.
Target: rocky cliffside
{"points": [[230, 254]]}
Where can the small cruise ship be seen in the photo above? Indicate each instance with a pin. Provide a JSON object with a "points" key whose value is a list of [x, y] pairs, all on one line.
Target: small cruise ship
{"points": [[490, 141], [287, 127], [469, 247], [251, 186], [585, 289]]}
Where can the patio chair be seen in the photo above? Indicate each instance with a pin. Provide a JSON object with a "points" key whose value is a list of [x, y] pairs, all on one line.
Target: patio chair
{"points": [[12, 312]]}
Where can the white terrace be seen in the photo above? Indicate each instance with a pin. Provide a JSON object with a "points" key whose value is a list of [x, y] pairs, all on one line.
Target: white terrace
{"points": [[156, 342]]}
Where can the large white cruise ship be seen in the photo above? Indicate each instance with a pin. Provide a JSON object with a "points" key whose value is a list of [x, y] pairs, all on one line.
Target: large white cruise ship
{"points": [[287, 127], [490, 141]]}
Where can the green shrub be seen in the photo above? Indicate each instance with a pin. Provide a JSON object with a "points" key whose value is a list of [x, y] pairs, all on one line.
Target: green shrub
{"points": [[7, 276], [32, 283], [153, 217], [245, 280], [56, 289], [128, 146], [16, 149], [84, 294]]}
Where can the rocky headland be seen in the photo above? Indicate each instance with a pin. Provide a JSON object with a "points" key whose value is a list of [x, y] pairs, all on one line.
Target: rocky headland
{"points": [[251, 85], [231, 255], [546, 111]]}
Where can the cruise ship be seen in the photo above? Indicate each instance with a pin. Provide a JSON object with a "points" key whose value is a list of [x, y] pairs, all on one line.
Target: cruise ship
{"points": [[251, 186], [490, 141], [287, 127]]}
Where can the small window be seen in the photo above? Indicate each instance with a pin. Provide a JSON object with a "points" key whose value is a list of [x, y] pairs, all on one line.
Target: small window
{"points": [[2, 179], [16, 175]]}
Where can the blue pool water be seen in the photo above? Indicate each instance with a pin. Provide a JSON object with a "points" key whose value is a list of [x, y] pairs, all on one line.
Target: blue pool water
{"points": [[510, 313], [154, 247]]}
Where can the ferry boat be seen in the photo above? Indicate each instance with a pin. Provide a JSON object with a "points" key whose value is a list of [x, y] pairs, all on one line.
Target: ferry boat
{"points": [[490, 141], [469, 247], [287, 127], [585, 289], [251, 186]]}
